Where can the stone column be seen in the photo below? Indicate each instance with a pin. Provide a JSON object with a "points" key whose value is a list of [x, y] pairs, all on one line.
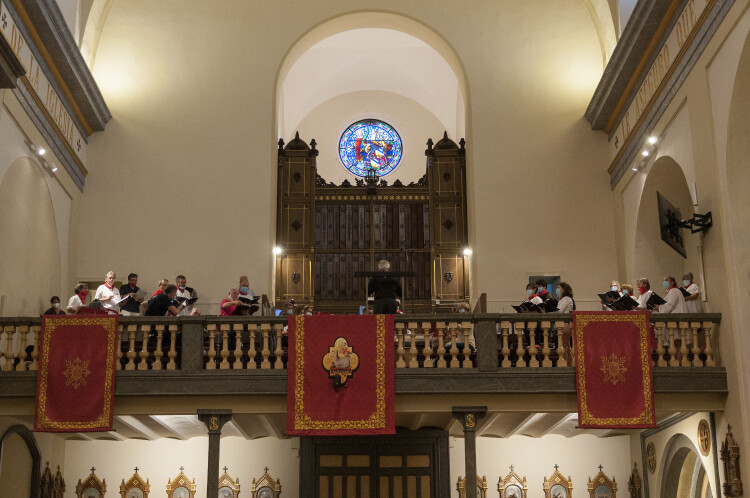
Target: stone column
{"points": [[469, 416], [214, 421]]}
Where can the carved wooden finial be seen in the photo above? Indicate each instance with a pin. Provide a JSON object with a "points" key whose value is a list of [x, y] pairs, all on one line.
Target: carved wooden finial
{"points": [[281, 144], [445, 135], [296, 136], [181, 469], [313, 144], [462, 143]]}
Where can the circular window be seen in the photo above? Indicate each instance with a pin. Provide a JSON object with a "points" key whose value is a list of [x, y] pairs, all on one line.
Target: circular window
{"points": [[370, 144]]}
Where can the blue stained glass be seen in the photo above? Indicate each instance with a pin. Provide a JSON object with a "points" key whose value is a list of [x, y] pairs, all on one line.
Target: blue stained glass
{"points": [[370, 143]]}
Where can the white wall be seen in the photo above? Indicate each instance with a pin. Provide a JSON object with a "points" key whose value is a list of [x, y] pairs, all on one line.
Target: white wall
{"points": [[579, 458]]}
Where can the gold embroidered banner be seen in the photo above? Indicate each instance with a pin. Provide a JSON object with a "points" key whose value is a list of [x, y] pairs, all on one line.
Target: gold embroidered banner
{"points": [[614, 369], [340, 375], [76, 379]]}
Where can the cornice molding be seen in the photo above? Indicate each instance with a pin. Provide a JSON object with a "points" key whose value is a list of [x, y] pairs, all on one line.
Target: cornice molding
{"points": [[10, 68]]}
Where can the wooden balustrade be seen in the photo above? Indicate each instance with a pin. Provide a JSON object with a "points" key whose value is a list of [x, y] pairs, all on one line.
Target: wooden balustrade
{"points": [[420, 341]]}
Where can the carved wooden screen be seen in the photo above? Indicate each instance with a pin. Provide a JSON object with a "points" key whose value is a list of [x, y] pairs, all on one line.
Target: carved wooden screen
{"points": [[420, 228]]}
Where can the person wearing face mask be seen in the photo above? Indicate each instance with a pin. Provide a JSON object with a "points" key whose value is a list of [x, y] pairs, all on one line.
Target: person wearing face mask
{"points": [[541, 289], [626, 290], [565, 302], [188, 293], [55, 309], [107, 294], [78, 300], [531, 295], [614, 286], [244, 287], [644, 293], [693, 302], [675, 303]]}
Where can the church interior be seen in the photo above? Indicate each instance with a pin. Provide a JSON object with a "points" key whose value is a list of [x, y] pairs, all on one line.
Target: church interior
{"points": [[578, 141]]}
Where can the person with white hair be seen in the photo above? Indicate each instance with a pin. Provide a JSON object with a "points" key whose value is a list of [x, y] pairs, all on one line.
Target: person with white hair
{"points": [[108, 294], [385, 289]]}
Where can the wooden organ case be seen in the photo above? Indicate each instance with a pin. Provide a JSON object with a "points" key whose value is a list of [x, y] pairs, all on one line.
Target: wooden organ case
{"points": [[329, 232]]}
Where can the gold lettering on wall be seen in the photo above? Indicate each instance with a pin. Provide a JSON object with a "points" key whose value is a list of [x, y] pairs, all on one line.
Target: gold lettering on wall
{"points": [[214, 426], [16, 41], [685, 23], [34, 74]]}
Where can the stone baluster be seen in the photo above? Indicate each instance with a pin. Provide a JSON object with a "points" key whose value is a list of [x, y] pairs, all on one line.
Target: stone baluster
{"points": [[696, 348], [413, 360], [35, 352], [212, 329], [172, 354], [672, 328], [279, 352], [158, 353], [466, 329], [251, 351], [143, 364], [265, 329], [504, 327], [130, 365], [400, 363], [520, 361], [533, 361], [684, 334], [440, 327], [546, 361], [237, 364], [659, 327], [707, 330], [562, 360], [224, 365], [118, 365], [427, 351], [453, 331], [9, 332], [21, 367]]}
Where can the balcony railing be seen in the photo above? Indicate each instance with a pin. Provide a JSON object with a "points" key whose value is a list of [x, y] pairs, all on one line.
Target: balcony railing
{"points": [[503, 341]]}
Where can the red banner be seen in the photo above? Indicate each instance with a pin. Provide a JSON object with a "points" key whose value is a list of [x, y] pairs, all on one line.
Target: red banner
{"points": [[340, 375], [614, 369], [76, 379]]}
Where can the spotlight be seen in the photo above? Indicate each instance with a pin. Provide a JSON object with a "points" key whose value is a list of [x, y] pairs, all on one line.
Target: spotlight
{"points": [[645, 153], [54, 168], [653, 139], [635, 168], [41, 151], [467, 252], [277, 250]]}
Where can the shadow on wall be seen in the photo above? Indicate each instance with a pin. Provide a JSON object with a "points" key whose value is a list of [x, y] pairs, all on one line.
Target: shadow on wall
{"points": [[654, 259], [29, 248]]}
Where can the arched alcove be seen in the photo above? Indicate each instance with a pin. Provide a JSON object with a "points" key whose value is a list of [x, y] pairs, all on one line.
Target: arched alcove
{"points": [[20, 463], [682, 473], [29, 248], [653, 257], [371, 65]]}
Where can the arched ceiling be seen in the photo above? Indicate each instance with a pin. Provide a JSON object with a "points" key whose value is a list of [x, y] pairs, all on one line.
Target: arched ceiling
{"points": [[369, 59]]}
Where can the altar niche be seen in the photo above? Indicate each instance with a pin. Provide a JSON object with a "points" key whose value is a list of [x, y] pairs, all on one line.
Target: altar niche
{"points": [[330, 232], [411, 464]]}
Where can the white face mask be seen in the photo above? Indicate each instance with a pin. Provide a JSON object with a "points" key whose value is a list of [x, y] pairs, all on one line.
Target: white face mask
{"points": [[56, 306]]}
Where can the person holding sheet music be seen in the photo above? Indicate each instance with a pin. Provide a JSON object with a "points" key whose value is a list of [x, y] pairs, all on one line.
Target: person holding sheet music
{"points": [[107, 294], [612, 295], [644, 293], [187, 294], [244, 287], [693, 302], [675, 302], [531, 295], [131, 307], [234, 306], [164, 304]]}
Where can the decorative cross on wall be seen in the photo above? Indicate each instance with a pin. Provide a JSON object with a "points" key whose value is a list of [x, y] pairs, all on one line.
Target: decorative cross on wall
{"points": [[181, 469], [600, 467], [556, 467], [92, 470], [225, 469], [136, 470], [265, 470]]}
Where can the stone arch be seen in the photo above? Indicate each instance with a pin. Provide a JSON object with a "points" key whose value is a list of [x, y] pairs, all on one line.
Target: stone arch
{"points": [[24, 434], [30, 252], [92, 21], [653, 258], [370, 19], [681, 471]]}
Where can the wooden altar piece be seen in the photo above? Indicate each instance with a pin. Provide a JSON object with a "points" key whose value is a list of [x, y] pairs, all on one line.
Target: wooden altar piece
{"points": [[135, 487], [265, 487], [228, 487], [91, 487], [634, 483], [557, 486], [512, 486], [730, 457], [602, 486], [181, 487], [52, 487], [481, 483]]}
